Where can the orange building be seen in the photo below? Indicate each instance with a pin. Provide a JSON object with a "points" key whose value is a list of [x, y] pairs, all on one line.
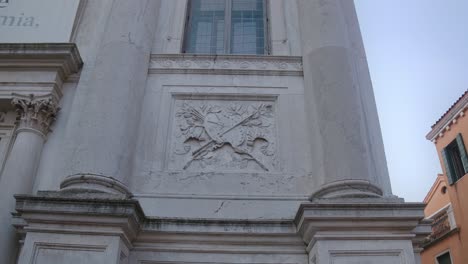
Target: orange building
{"points": [[447, 200]]}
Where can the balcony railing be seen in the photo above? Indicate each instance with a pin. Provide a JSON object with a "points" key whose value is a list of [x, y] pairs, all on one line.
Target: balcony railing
{"points": [[443, 224], [440, 226]]}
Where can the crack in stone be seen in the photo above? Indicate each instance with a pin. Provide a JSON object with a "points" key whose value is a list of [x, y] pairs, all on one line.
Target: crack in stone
{"points": [[219, 208]]}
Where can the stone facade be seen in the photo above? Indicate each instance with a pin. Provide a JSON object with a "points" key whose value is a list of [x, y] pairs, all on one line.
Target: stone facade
{"points": [[162, 157]]}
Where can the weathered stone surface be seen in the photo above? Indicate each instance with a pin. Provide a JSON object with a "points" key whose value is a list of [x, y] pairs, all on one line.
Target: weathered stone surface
{"points": [[360, 230], [32, 77], [223, 135], [109, 225], [163, 157]]}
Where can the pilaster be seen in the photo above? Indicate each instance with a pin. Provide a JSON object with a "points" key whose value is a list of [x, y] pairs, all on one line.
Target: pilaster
{"points": [[31, 78], [35, 115], [103, 120], [344, 131]]}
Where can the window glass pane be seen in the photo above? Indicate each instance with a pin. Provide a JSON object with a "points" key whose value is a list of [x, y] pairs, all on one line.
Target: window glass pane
{"points": [[247, 27], [444, 259], [206, 30], [455, 160]]}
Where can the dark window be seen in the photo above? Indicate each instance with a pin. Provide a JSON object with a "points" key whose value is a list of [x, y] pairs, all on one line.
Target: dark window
{"points": [[444, 259], [226, 27], [455, 159], [444, 190]]}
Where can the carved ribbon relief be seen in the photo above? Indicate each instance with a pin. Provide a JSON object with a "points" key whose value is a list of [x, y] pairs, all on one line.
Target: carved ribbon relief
{"points": [[221, 135]]}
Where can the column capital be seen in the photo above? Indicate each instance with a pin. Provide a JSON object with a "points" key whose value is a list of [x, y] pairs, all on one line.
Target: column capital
{"points": [[35, 112]]}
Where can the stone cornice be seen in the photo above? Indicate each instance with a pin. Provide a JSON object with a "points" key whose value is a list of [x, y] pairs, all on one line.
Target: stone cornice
{"points": [[37, 68], [226, 64], [99, 213], [456, 111], [73, 209], [63, 57]]}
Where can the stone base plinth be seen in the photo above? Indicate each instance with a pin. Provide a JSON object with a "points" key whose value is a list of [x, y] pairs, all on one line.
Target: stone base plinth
{"points": [[361, 230], [77, 226]]}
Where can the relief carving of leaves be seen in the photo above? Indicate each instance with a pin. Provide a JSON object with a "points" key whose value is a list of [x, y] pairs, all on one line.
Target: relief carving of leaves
{"points": [[259, 113], [193, 127], [246, 128], [214, 109], [193, 132], [236, 109], [253, 122]]}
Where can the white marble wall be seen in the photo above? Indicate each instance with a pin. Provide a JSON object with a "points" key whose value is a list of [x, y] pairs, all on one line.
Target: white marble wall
{"points": [[155, 176], [295, 121], [124, 130], [342, 118]]}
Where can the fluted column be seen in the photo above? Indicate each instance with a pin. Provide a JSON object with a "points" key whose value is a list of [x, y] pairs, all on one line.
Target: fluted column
{"points": [[102, 127], [35, 115], [348, 157]]}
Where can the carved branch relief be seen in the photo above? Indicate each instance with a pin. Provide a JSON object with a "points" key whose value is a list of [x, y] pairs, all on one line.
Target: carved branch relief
{"points": [[211, 135]]}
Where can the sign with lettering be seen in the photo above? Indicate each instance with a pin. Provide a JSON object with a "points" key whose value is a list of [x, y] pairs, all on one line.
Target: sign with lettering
{"points": [[26, 21]]}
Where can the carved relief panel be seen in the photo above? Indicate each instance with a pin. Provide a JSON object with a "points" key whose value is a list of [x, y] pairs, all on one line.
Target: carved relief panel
{"points": [[223, 135]]}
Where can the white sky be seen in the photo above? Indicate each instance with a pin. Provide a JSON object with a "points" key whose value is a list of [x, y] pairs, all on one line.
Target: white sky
{"points": [[417, 52]]}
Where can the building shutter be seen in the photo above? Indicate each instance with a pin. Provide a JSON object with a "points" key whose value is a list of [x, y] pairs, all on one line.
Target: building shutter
{"points": [[464, 157], [448, 168]]}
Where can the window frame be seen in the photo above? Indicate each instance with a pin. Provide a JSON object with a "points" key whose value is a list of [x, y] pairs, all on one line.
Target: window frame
{"points": [[441, 254], [228, 29], [447, 157]]}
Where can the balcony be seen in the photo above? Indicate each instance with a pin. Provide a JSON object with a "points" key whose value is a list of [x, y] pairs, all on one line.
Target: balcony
{"points": [[443, 224]]}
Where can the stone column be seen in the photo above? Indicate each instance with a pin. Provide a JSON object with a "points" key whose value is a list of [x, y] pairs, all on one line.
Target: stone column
{"points": [[102, 127], [35, 114], [348, 157]]}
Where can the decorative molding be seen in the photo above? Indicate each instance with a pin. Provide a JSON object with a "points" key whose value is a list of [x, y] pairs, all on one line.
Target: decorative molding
{"points": [[348, 189], [456, 111], [72, 248], [93, 182], [35, 113], [357, 219], [64, 212], [367, 255], [37, 68], [302, 198], [63, 57], [226, 64]]}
